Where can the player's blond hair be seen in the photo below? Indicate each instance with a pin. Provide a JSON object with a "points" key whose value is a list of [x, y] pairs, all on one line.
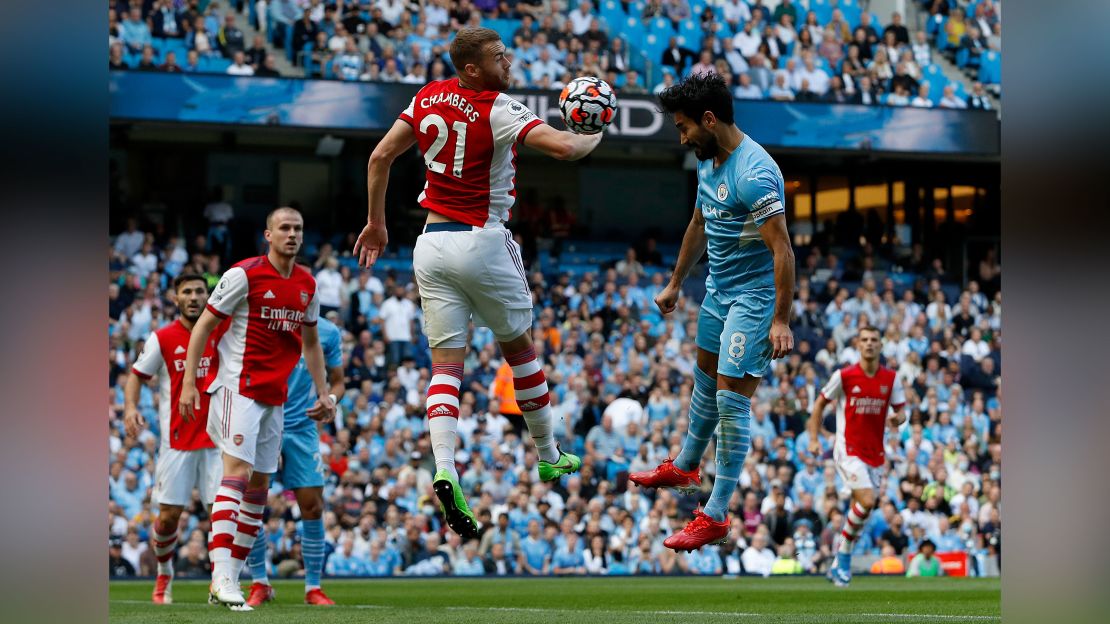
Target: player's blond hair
{"points": [[469, 45]]}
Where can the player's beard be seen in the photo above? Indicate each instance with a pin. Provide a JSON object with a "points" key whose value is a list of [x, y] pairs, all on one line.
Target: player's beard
{"points": [[192, 315], [706, 147]]}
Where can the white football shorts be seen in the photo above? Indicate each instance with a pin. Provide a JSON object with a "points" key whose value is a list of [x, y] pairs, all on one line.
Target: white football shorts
{"points": [[177, 472], [247, 429], [475, 274], [855, 474]]}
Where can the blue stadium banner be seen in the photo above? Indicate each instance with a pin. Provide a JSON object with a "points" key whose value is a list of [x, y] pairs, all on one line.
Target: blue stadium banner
{"points": [[367, 107]]}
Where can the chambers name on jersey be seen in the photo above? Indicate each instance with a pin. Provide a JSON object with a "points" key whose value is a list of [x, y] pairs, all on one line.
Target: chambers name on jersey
{"points": [[469, 141], [164, 355], [263, 340]]}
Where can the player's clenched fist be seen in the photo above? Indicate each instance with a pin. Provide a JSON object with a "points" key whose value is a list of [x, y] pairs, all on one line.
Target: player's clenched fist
{"points": [[323, 410], [667, 299]]}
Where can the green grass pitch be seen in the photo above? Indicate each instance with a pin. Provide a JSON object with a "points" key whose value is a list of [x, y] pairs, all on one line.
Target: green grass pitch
{"points": [[599, 600]]}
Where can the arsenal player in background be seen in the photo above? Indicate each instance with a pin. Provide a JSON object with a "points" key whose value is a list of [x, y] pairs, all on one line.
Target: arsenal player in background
{"points": [[187, 458], [865, 395], [272, 306]]}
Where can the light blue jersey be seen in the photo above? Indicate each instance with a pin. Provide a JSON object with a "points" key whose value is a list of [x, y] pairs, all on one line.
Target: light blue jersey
{"points": [[302, 392], [735, 199]]}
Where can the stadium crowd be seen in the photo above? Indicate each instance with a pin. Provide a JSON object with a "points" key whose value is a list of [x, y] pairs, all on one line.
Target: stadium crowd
{"points": [[620, 375], [774, 49]]}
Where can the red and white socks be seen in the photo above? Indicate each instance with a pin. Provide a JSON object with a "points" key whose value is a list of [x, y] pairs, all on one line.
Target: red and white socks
{"points": [[443, 414], [853, 523], [534, 401], [225, 520], [165, 543], [247, 528]]}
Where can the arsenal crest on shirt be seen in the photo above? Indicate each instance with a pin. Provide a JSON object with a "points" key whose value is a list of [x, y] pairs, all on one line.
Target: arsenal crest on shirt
{"points": [[304, 298]]}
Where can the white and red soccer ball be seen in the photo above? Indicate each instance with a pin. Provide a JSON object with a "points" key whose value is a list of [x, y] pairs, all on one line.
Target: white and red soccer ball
{"points": [[588, 105]]}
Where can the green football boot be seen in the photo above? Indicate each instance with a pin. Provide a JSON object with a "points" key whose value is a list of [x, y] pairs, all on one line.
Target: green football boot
{"points": [[452, 503], [567, 464]]}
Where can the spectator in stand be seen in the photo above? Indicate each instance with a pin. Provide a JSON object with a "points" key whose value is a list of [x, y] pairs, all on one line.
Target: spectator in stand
{"points": [[746, 90], [668, 81], [949, 99], [676, 56], [736, 13], [230, 37], [890, 562], [836, 93], [704, 64], [924, 563], [239, 65], [633, 85], [146, 61], [780, 91], [164, 20], [922, 51], [901, 33], [115, 57], [747, 40], [134, 32], [758, 558], [978, 99], [192, 62], [921, 100]]}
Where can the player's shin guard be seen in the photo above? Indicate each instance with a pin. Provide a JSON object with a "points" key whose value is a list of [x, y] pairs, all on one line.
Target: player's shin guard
{"points": [[733, 440], [256, 561], [165, 541], [225, 519], [443, 414], [312, 549], [703, 421], [247, 529], [534, 401], [853, 524]]}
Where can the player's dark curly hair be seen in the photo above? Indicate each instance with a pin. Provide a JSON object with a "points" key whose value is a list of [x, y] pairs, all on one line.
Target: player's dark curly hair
{"points": [[696, 94]]}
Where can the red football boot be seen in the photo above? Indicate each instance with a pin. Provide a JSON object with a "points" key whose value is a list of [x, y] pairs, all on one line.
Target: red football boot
{"points": [[260, 593], [700, 531], [163, 591], [318, 597], [667, 475]]}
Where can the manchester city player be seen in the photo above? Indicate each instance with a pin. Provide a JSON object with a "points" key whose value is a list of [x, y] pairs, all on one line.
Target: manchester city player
{"points": [[303, 472], [744, 320]]}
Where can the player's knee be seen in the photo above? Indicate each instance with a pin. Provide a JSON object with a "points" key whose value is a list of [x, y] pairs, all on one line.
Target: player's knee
{"points": [[169, 515], [312, 507]]}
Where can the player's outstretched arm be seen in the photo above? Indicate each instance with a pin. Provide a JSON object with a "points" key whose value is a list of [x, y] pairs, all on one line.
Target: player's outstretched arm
{"points": [[561, 144], [693, 246], [372, 241], [774, 234], [190, 398]]}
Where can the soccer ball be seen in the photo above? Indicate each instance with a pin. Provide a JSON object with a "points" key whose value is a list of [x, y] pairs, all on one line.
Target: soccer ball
{"points": [[588, 105]]}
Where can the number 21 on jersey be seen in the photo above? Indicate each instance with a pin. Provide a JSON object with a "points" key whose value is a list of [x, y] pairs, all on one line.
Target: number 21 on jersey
{"points": [[441, 139]]}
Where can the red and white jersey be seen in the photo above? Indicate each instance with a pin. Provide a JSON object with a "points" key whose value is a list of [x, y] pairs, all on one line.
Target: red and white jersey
{"points": [[468, 139], [164, 355], [262, 344], [862, 406]]}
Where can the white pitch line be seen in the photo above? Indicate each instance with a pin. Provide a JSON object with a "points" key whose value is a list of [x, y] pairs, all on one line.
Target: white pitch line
{"points": [[618, 611]]}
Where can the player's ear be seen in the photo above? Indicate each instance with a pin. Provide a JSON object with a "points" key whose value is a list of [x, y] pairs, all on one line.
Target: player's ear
{"points": [[708, 119]]}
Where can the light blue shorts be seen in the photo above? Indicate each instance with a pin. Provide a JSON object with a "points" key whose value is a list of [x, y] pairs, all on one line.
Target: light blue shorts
{"points": [[736, 328], [301, 464]]}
